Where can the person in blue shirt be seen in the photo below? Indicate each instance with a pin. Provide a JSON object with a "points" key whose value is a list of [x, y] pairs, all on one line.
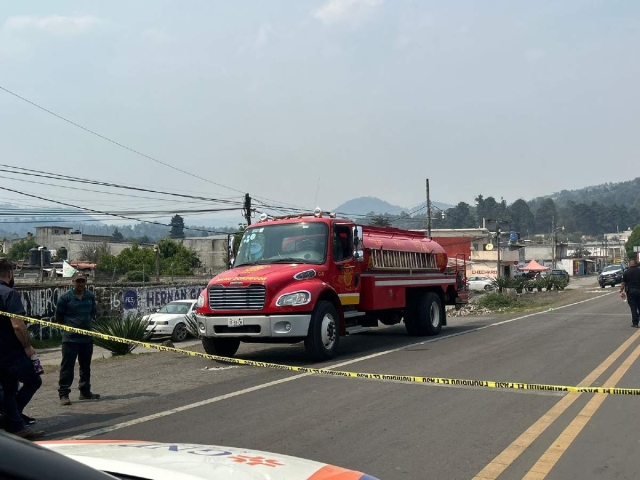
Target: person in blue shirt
{"points": [[76, 308], [15, 365]]}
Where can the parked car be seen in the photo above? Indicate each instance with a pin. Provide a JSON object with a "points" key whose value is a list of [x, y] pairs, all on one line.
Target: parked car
{"points": [[611, 275], [560, 273], [170, 320], [481, 283]]}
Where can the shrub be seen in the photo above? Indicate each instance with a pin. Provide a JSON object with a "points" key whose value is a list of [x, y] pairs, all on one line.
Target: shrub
{"points": [[132, 328], [496, 301]]}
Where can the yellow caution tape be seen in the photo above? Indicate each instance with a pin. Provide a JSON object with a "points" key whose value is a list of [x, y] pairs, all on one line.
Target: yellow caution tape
{"points": [[338, 373]]}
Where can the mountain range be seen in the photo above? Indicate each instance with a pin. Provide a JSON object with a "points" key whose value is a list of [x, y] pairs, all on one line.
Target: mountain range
{"points": [[365, 205], [620, 193]]}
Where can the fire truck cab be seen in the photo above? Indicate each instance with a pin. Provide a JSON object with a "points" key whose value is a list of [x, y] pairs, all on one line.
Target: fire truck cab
{"points": [[314, 278]]}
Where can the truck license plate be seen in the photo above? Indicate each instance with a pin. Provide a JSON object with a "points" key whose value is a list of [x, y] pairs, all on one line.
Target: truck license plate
{"points": [[235, 322]]}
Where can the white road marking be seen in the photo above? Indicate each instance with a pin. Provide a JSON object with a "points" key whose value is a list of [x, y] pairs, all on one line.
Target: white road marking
{"points": [[166, 413]]}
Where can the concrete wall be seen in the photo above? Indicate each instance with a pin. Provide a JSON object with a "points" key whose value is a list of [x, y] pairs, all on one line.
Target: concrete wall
{"points": [[122, 301], [212, 251]]}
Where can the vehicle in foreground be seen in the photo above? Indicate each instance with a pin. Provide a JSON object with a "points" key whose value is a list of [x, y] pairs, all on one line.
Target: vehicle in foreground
{"points": [[137, 460], [315, 278], [611, 275], [170, 320]]}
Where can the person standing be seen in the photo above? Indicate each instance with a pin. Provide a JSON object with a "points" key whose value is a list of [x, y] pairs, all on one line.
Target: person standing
{"points": [[76, 308], [15, 359], [630, 289]]}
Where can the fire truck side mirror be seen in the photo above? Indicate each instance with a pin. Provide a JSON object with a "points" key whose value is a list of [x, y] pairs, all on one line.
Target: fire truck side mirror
{"points": [[358, 254]]}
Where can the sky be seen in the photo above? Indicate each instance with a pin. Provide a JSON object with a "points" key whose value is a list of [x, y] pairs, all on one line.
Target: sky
{"points": [[309, 102]]}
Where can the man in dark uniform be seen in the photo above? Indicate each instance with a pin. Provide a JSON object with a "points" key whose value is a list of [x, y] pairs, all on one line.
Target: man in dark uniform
{"points": [[15, 364], [630, 289], [76, 308]]}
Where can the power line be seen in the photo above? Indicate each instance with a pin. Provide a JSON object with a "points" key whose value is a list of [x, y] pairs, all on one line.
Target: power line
{"points": [[101, 212], [117, 143], [66, 178], [191, 174]]}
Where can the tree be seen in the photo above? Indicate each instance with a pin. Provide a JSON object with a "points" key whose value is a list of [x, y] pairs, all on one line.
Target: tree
{"points": [[522, 219], [633, 241], [175, 259], [380, 221], [177, 227], [544, 216], [117, 236], [91, 252], [20, 249]]}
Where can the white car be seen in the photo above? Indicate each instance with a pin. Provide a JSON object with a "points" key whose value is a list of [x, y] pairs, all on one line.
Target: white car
{"points": [[179, 461], [481, 283], [170, 320]]}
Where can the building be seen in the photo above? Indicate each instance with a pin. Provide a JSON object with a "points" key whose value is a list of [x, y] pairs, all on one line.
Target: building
{"points": [[212, 251], [478, 246]]}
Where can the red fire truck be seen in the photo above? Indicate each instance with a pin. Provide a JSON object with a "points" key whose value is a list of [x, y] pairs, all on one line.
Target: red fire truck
{"points": [[315, 278]]}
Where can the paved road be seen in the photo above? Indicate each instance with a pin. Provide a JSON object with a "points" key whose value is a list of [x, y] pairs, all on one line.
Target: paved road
{"points": [[393, 430]]}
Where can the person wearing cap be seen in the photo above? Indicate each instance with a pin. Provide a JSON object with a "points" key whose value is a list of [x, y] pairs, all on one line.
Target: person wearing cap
{"points": [[630, 290], [76, 308]]}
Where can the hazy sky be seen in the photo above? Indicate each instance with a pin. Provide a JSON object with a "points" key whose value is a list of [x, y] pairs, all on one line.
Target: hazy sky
{"points": [[504, 98]]}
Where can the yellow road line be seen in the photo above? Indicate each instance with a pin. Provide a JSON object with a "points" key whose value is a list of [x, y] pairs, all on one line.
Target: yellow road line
{"points": [[549, 459], [499, 464]]}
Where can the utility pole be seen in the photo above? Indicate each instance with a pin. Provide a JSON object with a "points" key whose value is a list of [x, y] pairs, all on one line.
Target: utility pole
{"points": [[553, 239], [498, 251], [428, 211], [247, 208], [41, 252], [156, 248]]}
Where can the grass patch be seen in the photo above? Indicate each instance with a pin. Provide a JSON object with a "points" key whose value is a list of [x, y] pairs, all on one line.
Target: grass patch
{"points": [[497, 301]]}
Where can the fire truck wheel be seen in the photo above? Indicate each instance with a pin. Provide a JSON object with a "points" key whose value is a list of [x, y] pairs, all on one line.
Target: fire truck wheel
{"points": [[324, 332], [223, 347], [426, 315]]}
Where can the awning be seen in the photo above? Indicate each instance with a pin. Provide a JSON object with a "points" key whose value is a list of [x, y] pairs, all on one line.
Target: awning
{"points": [[533, 266]]}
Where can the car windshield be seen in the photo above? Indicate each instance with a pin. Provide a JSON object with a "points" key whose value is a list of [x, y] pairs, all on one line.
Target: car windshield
{"points": [[178, 308], [612, 268], [285, 243]]}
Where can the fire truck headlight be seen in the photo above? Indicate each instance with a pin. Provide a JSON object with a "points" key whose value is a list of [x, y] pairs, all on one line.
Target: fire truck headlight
{"points": [[294, 299], [200, 302]]}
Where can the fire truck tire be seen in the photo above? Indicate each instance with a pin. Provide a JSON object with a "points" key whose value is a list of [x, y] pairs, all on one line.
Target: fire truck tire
{"points": [[323, 337], [223, 347], [426, 315]]}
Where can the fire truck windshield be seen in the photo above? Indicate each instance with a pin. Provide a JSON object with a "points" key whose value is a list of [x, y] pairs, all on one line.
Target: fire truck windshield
{"points": [[284, 243]]}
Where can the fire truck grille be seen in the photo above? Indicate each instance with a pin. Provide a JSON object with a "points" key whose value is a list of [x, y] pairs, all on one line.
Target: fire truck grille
{"points": [[237, 298]]}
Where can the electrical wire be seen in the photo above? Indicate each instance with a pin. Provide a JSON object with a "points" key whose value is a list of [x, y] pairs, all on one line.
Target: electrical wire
{"points": [[101, 212]]}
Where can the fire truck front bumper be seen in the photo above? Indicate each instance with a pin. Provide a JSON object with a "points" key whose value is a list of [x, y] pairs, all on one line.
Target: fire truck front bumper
{"points": [[265, 326]]}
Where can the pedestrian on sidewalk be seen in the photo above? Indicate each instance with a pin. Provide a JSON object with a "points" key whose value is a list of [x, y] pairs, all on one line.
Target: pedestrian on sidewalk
{"points": [[630, 289], [76, 308], [15, 359]]}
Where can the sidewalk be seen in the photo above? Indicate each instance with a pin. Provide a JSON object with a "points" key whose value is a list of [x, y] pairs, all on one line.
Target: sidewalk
{"points": [[53, 356]]}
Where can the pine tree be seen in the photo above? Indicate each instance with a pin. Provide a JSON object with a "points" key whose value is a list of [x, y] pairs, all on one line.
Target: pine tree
{"points": [[177, 227]]}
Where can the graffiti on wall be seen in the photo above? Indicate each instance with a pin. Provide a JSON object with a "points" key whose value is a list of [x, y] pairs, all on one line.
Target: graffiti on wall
{"points": [[41, 302], [147, 299]]}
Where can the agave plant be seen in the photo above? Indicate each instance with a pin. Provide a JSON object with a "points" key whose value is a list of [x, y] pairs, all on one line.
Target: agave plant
{"points": [[502, 283], [539, 283], [192, 324], [520, 283], [132, 328]]}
